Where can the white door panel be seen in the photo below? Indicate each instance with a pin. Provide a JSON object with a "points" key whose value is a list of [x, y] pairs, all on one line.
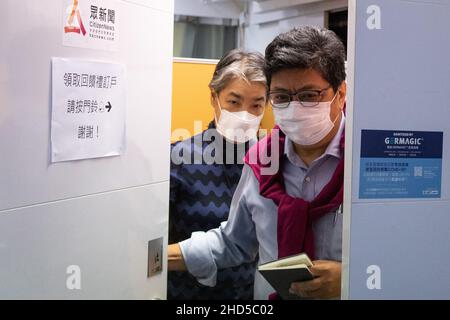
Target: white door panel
{"points": [[106, 235]]}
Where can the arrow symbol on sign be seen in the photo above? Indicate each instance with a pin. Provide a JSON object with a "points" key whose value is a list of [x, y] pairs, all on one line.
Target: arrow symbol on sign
{"points": [[108, 106]]}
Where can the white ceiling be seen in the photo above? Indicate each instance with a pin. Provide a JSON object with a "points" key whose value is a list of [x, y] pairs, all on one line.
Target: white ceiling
{"points": [[267, 5]]}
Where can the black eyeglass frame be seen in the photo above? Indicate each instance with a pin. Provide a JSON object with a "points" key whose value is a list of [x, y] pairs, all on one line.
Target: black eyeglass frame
{"points": [[307, 104]]}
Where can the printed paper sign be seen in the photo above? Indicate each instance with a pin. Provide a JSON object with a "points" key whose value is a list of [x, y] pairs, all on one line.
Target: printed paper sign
{"points": [[88, 109], [92, 24], [400, 164]]}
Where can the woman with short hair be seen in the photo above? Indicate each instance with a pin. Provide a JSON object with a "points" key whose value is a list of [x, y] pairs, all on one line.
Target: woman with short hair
{"points": [[201, 191]]}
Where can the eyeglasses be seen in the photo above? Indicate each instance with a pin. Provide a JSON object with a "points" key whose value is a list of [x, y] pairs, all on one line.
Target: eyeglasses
{"points": [[307, 98]]}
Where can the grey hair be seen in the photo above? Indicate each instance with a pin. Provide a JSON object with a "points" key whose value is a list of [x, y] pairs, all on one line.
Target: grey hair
{"points": [[238, 64]]}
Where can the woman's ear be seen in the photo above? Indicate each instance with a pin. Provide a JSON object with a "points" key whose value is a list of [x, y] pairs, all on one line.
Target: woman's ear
{"points": [[215, 106], [213, 98]]}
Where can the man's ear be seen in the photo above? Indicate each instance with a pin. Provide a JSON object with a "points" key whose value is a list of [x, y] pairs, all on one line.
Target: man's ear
{"points": [[342, 94]]}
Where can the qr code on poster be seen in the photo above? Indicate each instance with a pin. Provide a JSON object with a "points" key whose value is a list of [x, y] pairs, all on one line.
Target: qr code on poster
{"points": [[418, 171]]}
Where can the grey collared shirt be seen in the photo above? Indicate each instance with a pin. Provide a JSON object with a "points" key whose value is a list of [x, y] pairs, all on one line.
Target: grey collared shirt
{"points": [[251, 227]]}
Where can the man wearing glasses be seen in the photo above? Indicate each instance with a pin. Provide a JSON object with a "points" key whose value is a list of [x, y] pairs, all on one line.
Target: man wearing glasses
{"points": [[295, 209]]}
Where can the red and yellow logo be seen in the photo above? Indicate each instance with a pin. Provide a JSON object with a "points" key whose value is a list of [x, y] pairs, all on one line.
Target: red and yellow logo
{"points": [[70, 27]]}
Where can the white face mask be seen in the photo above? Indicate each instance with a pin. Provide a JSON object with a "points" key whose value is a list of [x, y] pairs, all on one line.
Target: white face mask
{"points": [[305, 125], [237, 127]]}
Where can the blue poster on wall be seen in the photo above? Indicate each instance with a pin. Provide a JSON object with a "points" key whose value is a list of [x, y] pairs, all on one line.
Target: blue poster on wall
{"points": [[400, 164]]}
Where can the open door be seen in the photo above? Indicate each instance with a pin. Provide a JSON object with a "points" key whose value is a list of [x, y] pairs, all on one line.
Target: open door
{"points": [[397, 184]]}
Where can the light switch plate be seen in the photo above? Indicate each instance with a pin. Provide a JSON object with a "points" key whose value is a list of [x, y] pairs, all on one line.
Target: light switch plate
{"points": [[155, 257]]}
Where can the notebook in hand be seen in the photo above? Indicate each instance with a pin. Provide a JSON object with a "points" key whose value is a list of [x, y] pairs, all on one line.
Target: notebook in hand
{"points": [[281, 273]]}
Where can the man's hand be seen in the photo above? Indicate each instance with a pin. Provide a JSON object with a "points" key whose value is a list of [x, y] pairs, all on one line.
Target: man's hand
{"points": [[325, 285], [175, 257]]}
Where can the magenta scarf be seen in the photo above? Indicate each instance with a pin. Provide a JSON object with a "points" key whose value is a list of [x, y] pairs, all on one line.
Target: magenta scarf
{"points": [[295, 215]]}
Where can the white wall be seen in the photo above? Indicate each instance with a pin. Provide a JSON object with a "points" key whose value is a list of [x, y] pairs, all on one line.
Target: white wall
{"points": [[261, 21], [263, 26], [98, 214], [384, 234]]}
